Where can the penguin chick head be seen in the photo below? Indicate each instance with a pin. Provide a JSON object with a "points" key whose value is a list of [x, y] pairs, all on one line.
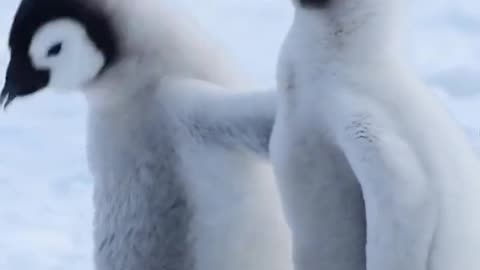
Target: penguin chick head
{"points": [[56, 43]]}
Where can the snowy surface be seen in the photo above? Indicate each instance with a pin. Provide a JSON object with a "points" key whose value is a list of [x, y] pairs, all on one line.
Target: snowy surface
{"points": [[45, 187]]}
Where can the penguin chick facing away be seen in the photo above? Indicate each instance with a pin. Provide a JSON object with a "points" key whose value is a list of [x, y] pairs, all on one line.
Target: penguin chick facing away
{"points": [[320, 192], [178, 155], [345, 90]]}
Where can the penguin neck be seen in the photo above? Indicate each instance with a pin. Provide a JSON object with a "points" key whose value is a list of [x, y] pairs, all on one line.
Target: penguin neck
{"points": [[121, 85], [172, 43], [368, 32], [139, 70], [167, 45]]}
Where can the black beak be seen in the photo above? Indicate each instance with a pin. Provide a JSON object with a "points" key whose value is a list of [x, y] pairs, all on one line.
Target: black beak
{"points": [[8, 94], [22, 80]]}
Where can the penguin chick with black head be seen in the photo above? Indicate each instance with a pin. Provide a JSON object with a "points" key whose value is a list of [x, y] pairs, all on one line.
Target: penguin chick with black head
{"points": [[178, 155], [350, 108]]}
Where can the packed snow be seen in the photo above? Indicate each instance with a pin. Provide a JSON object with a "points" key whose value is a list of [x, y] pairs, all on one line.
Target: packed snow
{"points": [[45, 187]]}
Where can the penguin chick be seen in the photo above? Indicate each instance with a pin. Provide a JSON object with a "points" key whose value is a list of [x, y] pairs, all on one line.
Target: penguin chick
{"points": [[177, 152], [344, 86], [321, 195]]}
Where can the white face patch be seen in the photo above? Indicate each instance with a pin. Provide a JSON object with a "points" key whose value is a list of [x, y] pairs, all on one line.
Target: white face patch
{"points": [[63, 47]]}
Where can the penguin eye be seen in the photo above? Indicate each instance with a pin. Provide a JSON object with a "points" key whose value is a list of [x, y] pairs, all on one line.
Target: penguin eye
{"points": [[54, 50]]}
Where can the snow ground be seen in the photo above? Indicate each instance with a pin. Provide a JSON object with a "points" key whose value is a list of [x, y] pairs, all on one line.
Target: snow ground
{"points": [[45, 187]]}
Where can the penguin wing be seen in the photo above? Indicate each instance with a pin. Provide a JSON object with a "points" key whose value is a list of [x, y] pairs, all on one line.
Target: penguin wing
{"points": [[238, 122], [399, 209], [229, 118]]}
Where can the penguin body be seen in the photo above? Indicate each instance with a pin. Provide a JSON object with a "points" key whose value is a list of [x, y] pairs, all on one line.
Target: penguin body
{"points": [[342, 73]]}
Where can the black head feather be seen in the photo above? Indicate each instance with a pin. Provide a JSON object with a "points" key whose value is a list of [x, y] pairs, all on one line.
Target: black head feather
{"points": [[315, 3]]}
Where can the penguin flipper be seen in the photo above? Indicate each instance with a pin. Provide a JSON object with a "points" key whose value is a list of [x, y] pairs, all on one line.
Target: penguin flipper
{"points": [[229, 118], [239, 122], [400, 211]]}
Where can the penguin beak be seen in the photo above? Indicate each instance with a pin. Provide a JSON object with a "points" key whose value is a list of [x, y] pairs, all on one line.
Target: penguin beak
{"points": [[8, 94], [22, 80]]}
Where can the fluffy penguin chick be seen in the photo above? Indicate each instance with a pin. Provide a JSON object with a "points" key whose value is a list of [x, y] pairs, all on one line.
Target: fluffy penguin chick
{"points": [[178, 156], [344, 85], [320, 193]]}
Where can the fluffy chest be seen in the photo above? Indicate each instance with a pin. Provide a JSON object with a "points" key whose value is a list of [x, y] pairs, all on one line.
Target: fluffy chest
{"points": [[134, 176], [165, 197], [131, 155], [142, 213]]}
